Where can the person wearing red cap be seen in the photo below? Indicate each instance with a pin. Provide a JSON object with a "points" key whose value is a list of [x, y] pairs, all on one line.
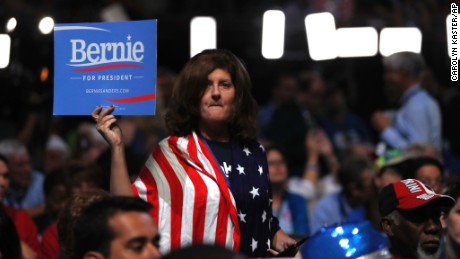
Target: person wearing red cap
{"points": [[411, 218]]}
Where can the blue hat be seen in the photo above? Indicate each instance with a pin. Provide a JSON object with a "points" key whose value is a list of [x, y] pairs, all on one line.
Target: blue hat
{"points": [[348, 240]]}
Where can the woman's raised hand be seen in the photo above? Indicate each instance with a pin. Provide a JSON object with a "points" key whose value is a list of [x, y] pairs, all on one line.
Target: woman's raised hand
{"points": [[106, 125]]}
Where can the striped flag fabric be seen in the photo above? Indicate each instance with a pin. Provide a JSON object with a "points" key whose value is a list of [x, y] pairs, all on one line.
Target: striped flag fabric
{"points": [[191, 199], [203, 197]]}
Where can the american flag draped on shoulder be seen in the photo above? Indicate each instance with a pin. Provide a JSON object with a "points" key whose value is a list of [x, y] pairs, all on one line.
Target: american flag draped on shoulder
{"points": [[192, 200]]}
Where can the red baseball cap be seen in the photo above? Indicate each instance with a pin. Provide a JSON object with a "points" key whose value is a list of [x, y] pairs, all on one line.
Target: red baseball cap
{"points": [[409, 194]]}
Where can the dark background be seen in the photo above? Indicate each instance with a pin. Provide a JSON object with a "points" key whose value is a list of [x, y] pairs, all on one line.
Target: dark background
{"points": [[239, 28]]}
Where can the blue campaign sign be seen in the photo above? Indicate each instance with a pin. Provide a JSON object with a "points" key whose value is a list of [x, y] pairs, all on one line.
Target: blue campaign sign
{"points": [[107, 63]]}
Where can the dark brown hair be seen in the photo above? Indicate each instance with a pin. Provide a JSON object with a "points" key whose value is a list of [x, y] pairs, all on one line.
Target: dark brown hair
{"points": [[184, 108], [69, 215]]}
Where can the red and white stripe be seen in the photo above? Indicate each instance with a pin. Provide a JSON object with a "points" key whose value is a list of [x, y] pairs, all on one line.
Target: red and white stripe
{"points": [[192, 202]]}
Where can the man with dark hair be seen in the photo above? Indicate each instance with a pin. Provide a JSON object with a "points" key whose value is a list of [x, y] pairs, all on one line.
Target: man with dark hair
{"points": [[411, 218], [116, 227], [428, 170]]}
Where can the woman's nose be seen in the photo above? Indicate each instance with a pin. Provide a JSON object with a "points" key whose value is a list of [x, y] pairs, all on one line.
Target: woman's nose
{"points": [[215, 93]]}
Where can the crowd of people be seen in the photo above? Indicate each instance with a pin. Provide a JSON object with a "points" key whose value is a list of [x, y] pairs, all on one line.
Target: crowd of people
{"points": [[215, 174]]}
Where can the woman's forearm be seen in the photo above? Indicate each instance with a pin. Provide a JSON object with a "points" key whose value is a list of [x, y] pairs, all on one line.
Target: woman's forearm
{"points": [[120, 183]]}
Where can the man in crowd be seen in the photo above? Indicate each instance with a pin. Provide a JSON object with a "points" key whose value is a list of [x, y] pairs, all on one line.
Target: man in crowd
{"points": [[116, 227], [411, 218], [418, 119], [26, 185]]}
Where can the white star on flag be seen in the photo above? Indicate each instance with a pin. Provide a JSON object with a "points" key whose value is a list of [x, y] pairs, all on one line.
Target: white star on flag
{"points": [[254, 192], [261, 171], [129, 37], [227, 169], [264, 216], [246, 150], [253, 244], [240, 169], [242, 216], [262, 147]]}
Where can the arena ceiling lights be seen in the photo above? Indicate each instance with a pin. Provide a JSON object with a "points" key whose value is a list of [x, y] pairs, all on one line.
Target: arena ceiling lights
{"points": [[202, 34], [5, 47], [273, 34]]}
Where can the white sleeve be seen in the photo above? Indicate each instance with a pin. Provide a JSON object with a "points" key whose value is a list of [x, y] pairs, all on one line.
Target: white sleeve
{"points": [[302, 187]]}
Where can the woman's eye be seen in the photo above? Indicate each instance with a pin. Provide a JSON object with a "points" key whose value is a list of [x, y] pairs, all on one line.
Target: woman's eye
{"points": [[226, 84]]}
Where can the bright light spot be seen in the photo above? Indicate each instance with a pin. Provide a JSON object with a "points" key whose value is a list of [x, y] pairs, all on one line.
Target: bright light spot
{"points": [[350, 252], [44, 74], [394, 40], [355, 231], [202, 34], [451, 39], [5, 48], [273, 34], [344, 243], [46, 25], [321, 39], [337, 231], [11, 24], [114, 12], [357, 42]]}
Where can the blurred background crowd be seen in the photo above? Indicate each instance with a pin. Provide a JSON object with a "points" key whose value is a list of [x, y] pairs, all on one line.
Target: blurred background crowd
{"points": [[316, 118]]}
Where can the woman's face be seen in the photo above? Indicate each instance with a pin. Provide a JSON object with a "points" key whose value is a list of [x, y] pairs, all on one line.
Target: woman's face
{"points": [[431, 176], [277, 168], [452, 222], [216, 105]]}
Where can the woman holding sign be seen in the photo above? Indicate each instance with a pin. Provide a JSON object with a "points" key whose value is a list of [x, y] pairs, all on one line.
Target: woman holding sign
{"points": [[208, 181]]}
